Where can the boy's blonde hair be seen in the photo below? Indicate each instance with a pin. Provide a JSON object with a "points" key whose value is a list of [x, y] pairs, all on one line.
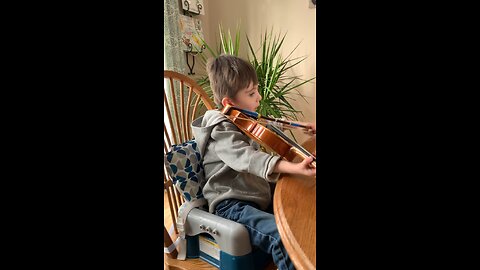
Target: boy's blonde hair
{"points": [[228, 74]]}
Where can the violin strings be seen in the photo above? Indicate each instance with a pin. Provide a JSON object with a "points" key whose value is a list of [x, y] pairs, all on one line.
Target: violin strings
{"points": [[257, 116], [284, 136], [268, 122]]}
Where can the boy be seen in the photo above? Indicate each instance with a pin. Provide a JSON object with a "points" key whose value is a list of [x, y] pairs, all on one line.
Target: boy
{"points": [[236, 172]]}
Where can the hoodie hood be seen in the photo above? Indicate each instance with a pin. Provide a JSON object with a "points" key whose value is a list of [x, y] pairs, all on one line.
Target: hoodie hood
{"points": [[202, 127]]}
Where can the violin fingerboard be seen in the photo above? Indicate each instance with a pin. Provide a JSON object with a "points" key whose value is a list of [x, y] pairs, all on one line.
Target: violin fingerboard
{"points": [[286, 138]]}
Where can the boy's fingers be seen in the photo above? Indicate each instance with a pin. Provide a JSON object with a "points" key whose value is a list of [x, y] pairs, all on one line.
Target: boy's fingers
{"points": [[308, 160], [309, 131]]}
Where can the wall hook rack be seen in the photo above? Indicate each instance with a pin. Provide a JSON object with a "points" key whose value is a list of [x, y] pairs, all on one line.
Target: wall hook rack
{"points": [[193, 54], [186, 8]]}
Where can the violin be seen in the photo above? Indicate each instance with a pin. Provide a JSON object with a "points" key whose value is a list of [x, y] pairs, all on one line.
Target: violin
{"points": [[268, 136]]}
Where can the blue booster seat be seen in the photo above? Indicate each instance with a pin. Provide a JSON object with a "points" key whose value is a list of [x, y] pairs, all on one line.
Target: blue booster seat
{"points": [[216, 240]]}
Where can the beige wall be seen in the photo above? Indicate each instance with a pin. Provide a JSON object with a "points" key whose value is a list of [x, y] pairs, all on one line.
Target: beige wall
{"points": [[291, 16]]}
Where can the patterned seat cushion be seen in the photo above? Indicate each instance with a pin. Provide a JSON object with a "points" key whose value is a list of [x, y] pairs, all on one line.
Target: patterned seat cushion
{"points": [[184, 165]]}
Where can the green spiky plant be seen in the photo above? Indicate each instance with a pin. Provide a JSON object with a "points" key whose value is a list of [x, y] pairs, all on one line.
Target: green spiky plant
{"points": [[275, 85]]}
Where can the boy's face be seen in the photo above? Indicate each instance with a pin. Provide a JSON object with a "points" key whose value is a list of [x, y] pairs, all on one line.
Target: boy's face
{"points": [[248, 98]]}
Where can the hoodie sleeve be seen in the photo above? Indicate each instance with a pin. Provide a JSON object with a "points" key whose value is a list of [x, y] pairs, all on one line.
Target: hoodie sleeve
{"points": [[233, 148]]}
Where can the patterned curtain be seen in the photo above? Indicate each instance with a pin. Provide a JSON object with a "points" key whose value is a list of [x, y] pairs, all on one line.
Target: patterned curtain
{"points": [[174, 56], [173, 53]]}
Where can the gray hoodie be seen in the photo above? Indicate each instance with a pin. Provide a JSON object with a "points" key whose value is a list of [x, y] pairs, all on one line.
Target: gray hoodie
{"points": [[234, 166]]}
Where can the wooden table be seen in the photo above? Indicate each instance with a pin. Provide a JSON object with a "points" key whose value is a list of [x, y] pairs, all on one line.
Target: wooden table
{"points": [[294, 206]]}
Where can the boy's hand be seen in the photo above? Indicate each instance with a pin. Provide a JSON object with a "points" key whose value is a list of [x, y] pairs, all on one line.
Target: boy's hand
{"points": [[311, 128], [304, 167]]}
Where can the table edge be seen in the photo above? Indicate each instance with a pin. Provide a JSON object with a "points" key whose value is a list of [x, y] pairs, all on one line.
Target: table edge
{"points": [[298, 257]]}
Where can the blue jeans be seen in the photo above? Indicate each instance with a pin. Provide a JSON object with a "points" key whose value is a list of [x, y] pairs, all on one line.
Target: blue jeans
{"points": [[261, 227]]}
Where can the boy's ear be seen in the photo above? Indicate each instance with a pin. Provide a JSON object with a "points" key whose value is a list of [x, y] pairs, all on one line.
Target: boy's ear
{"points": [[226, 101]]}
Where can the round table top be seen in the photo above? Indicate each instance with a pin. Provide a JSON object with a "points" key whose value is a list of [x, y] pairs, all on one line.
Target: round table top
{"points": [[294, 205]]}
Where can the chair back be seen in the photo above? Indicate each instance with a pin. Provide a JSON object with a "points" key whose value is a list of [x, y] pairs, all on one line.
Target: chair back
{"points": [[181, 97], [184, 100]]}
